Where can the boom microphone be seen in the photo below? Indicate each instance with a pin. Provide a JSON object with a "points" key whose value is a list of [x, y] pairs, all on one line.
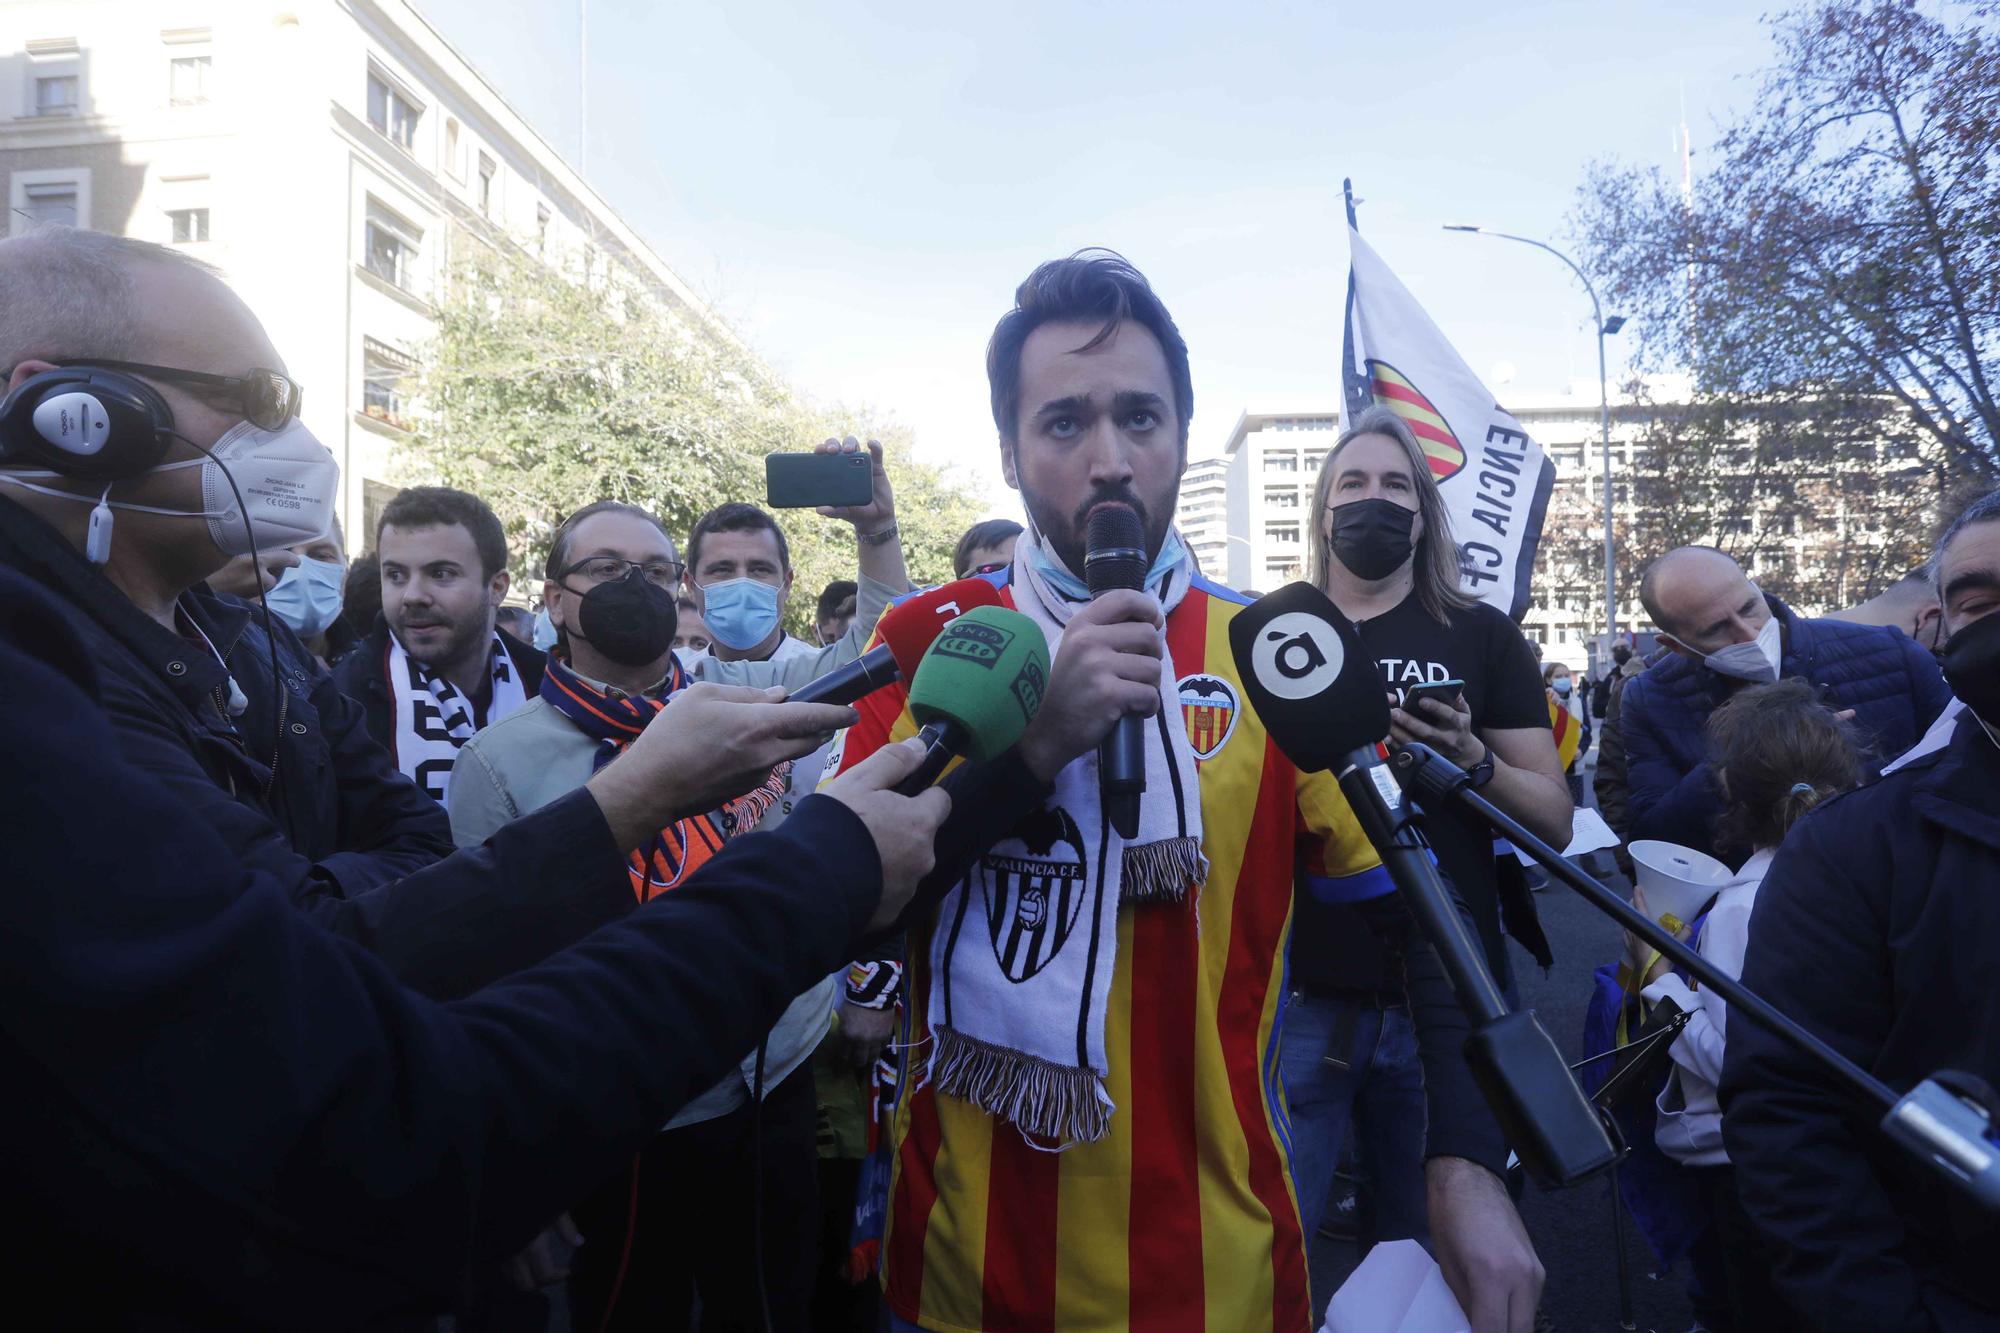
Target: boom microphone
{"points": [[1322, 700], [1114, 556], [977, 689]]}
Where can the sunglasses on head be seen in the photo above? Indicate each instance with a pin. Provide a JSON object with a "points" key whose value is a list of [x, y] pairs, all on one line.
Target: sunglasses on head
{"points": [[268, 399]]}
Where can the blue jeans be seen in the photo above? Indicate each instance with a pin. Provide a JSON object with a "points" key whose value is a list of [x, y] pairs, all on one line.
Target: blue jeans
{"points": [[1347, 1061]]}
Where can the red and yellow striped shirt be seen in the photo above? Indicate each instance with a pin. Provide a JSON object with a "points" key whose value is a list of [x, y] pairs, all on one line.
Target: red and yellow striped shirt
{"points": [[1183, 1216]]}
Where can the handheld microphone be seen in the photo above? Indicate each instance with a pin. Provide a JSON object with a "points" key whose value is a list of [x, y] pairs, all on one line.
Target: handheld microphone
{"points": [[1321, 698], [909, 627], [977, 689], [1114, 557], [906, 631], [843, 685]]}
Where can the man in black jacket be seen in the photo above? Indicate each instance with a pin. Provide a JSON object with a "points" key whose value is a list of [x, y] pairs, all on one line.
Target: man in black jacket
{"points": [[437, 669], [279, 765], [220, 1116], [1878, 927]]}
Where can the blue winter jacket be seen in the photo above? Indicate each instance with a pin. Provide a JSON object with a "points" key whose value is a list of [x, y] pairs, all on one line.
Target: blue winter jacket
{"points": [[1878, 928], [1893, 686]]}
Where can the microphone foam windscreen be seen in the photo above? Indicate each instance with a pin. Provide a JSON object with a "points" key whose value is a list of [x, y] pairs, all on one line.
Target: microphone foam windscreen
{"points": [[988, 672], [1114, 549], [1310, 679]]}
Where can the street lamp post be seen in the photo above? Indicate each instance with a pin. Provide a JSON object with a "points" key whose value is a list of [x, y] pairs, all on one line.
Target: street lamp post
{"points": [[1604, 327]]}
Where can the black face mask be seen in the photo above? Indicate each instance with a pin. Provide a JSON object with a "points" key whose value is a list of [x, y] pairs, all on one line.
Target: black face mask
{"points": [[1971, 661], [629, 620], [1372, 537]]}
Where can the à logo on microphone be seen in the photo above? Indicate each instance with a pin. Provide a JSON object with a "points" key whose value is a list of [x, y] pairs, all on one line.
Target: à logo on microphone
{"points": [[1297, 655]]}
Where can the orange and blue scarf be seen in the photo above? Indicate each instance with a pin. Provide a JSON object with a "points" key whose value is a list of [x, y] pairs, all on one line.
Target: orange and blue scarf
{"points": [[681, 848]]}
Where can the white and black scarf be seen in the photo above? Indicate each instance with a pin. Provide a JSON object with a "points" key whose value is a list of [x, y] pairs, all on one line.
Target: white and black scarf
{"points": [[1025, 946], [435, 717]]}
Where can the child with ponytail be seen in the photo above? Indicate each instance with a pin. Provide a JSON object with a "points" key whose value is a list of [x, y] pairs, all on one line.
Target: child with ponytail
{"points": [[1776, 752]]}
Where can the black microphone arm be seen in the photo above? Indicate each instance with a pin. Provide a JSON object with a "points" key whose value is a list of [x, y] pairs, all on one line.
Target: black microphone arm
{"points": [[1560, 1136], [1953, 1132]]}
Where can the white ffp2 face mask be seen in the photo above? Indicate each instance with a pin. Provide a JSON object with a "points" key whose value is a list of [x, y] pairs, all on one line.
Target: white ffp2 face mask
{"points": [[287, 477], [1756, 661]]}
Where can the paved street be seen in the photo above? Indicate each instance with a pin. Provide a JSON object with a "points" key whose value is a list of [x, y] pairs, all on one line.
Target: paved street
{"points": [[1572, 1229]]}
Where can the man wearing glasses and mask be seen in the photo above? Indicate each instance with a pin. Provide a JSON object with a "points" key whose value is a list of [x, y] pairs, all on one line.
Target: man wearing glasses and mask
{"points": [[141, 448], [612, 576], [179, 457]]}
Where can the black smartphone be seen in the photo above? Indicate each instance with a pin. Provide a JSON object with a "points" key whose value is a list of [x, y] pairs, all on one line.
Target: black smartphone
{"points": [[1444, 691], [807, 481]]}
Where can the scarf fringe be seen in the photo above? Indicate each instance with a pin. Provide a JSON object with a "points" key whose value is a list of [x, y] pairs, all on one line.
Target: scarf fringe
{"points": [[1058, 1102], [1162, 872]]}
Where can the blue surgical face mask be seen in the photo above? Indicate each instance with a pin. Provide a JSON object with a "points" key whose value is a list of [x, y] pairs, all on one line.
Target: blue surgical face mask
{"points": [[1050, 566], [740, 613], [308, 596], [1562, 686], [544, 636]]}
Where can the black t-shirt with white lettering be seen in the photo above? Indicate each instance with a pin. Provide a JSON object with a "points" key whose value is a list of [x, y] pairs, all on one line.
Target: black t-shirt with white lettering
{"points": [[1332, 949]]}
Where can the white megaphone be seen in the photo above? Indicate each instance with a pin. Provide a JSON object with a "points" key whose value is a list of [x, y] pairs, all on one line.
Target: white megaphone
{"points": [[1678, 882]]}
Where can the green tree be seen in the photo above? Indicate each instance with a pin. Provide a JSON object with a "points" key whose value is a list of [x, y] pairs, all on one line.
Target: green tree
{"points": [[1826, 500], [1842, 242], [544, 391]]}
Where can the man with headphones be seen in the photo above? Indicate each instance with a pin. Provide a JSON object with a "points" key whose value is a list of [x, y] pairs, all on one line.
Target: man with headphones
{"points": [[148, 433]]}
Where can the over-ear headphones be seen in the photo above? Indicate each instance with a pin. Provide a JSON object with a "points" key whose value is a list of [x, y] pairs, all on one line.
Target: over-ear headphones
{"points": [[81, 421]]}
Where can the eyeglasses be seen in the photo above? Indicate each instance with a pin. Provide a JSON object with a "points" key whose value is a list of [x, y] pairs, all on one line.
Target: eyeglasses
{"points": [[269, 399], [605, 568]]}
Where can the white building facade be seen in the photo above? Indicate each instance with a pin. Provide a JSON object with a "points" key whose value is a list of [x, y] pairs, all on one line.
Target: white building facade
{"points": [[326, 155], [1245, 512]]}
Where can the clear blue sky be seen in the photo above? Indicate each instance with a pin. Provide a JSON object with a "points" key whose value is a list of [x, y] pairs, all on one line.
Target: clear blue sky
{"points": [[859, 186]]}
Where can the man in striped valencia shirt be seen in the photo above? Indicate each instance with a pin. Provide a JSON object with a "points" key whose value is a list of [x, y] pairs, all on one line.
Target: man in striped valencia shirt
{"points": [[1092, 1135]]}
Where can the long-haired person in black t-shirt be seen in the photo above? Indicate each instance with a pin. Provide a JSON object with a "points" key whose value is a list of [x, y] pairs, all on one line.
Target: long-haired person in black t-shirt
{"points": [[1382, 549]]}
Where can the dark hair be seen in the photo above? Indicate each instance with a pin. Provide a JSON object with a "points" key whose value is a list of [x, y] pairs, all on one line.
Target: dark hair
{"points": [[1777, 751], [736, 517], [980, 536], [1621, 653], [836, 599], [361, 595], [558, 560], [441, 506], [1089, 285], [1984, 509]]}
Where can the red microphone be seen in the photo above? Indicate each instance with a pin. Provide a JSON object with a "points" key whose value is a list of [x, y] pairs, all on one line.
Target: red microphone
{"points": [[908, 628], [907, 631]]}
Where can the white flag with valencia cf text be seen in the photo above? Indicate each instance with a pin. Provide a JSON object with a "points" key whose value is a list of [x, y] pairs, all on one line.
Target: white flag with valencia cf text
{"points": [[1495, 480]]}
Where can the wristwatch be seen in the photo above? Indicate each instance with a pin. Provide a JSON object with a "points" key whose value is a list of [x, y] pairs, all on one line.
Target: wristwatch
{"points": [[1481, 773]]}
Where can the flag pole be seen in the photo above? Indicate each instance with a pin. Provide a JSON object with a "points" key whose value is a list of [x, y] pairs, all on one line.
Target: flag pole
{"points": [[1347, 191]]}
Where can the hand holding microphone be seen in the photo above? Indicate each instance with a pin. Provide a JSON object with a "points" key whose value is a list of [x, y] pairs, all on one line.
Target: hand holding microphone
{"points": [[904, 828], [1107, 669]]}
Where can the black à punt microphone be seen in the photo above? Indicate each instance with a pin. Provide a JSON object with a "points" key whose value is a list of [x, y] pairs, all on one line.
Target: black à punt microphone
{"points": [[1322, 700], [1114, 556]]}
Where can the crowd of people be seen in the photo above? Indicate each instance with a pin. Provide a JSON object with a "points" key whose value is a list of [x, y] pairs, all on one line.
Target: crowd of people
{"points": [[389, 945]]}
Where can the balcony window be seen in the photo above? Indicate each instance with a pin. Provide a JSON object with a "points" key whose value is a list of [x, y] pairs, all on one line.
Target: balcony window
{"points": [[487, 170], [187, 80], [58, 95], [187, 225], [55, 202], [391, 248], [382, 386], [391, 113]]}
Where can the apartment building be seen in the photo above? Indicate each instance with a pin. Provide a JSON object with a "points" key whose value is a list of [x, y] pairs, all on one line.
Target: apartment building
{"points": [[326, 155]]}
